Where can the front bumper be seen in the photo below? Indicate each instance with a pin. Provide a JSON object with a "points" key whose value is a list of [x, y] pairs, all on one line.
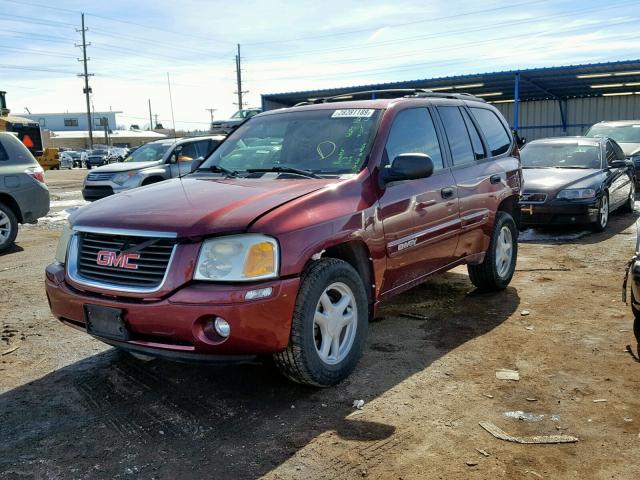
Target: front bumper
{"points": [[559, 212], [176, 326]]}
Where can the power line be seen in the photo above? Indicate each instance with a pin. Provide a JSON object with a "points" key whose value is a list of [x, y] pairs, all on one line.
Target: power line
{"points": [[37, 52], [395, 25], [361, 46], [455, 46]]}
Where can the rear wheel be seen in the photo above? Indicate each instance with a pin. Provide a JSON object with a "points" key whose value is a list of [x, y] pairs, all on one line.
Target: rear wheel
{"points": [[329, 325], [601, 223], [499, 264], [8, 227]]}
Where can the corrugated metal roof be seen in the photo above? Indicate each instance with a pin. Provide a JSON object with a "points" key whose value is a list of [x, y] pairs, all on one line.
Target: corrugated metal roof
{"points": [[113, 134], [535, 83]]}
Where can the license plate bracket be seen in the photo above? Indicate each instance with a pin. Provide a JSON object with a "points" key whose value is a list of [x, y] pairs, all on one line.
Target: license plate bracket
{"points": [[106, 322]]}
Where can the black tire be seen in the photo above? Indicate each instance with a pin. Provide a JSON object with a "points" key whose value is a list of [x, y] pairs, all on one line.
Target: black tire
{"points": [[486, 276], [8, 214], [598, 225], [629, 205], [151, 181], [636, 319], [88, 166], [301, 360]]}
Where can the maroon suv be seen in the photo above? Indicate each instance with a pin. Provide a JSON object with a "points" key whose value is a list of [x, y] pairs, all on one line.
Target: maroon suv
{"points": [[287, 238]]}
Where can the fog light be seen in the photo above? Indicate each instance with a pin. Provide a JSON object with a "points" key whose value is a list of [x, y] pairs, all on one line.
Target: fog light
{"points": [[222, 327], [260, 293]]}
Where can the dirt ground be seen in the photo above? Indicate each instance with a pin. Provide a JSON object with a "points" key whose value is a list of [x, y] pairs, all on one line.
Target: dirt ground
{"points": [[70, 407]]}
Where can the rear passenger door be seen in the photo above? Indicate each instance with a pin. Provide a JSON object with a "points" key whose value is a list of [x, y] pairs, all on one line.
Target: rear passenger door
{"points": [[419, 217], [480, 180]]}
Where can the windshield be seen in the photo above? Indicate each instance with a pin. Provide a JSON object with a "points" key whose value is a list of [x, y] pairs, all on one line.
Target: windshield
{"points": [[620, 133], [151, 152], [561, 155], [334, 141], [98, 152]]}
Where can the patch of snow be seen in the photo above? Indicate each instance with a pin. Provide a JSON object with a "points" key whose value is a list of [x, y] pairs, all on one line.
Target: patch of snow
{"points": [[68, 203]]}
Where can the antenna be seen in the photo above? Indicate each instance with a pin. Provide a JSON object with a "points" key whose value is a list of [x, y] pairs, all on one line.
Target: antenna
{"points": [[173, 119]]}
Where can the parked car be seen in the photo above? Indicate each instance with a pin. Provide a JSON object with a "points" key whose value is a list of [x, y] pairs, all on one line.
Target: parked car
{"points": [[66, 161], [289, 250], [575, 180], [633, 272], [227, 126], [151, 163], [117, 154], [24, 197], [626, 133], [79, 158], [97, 158]]}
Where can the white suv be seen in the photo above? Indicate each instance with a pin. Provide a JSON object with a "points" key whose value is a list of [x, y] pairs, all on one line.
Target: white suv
{"points": [[151, 163]]}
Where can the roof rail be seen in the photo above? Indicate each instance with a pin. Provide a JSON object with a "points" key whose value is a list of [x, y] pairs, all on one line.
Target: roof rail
{"points": [[389, 93]]}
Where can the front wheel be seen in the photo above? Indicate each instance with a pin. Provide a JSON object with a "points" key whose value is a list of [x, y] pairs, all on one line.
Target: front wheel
{"points": [[499, 264], [601, 223], [8, 227], [329, 325]]}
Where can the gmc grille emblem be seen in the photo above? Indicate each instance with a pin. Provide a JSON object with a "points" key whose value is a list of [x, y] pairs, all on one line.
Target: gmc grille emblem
{"points": [[108, 258]]}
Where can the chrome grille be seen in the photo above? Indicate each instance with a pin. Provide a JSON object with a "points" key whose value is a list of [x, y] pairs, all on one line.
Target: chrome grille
{"points": [[533, 197], [99, 177], [154, 257]]}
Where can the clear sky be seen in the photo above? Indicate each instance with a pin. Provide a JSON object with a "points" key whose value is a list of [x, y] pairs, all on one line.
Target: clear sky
{"points": [[286, 46]]}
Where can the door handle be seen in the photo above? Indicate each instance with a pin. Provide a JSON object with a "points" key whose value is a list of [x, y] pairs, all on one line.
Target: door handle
{"points": [[446, 192], [424, 205], [495, 179]]}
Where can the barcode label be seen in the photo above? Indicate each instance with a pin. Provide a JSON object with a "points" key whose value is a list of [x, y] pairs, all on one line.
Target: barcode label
{"points": [[353, 113]]}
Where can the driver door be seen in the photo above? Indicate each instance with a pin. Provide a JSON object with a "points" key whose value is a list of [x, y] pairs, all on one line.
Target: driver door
{"points": [[420, 217]]}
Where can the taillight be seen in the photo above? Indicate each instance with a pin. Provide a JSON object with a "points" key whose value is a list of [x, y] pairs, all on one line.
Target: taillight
{"points": [[36, 172]]}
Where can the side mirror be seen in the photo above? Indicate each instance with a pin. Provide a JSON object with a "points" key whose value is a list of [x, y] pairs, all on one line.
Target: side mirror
{"points": [[409, 166], [196, 163], [617, 163]]}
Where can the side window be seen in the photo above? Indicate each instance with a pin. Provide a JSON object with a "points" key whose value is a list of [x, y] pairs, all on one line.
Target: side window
{"points": [[413, 131], [457, 135], [476, 143], [611, 154], [3, 154], [618, 151], [493, 129], [204, 148], [188, 152]]}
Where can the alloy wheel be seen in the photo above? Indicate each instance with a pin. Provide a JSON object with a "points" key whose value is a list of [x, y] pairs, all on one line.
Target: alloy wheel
{"points": [[604, 211], [504, 252], [334, 323], [5, 227]]}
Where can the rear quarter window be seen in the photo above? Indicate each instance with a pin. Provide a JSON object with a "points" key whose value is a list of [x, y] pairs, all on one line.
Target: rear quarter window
{"points": [[494, 132], [4, 156]]}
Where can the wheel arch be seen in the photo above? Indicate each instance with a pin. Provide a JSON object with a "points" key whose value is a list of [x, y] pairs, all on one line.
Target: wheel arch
{"points": [[10, 202], [355, 253], [511, 206], [152, 179]]}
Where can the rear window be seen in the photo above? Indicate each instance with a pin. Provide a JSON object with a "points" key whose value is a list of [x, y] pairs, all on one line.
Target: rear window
{"points": [[458, 136], [493, 129]]}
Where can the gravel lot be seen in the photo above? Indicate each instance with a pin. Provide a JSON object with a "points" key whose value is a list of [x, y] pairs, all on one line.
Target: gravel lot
{"points": [[70, 407]]}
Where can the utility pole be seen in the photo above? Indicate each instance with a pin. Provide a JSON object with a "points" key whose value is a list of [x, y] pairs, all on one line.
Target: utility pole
{"points": [[211, 110], [86, 75], [150, 117], [156, 117], [239, 78]]}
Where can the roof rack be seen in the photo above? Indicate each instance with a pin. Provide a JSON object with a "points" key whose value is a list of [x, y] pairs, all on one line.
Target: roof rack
{"points": [[390, 93]]}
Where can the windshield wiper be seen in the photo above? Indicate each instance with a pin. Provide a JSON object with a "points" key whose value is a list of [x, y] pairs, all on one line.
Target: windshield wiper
{"points": [[219, 169], [282, 169]]}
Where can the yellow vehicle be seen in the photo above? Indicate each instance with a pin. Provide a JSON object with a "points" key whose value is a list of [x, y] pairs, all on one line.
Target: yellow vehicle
{"points": [[29, 134]]}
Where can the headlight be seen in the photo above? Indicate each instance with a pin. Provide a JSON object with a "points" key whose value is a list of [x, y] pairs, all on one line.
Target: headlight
{"points": [[63, 244], [123, 177], [238, 258], [576, 193]]}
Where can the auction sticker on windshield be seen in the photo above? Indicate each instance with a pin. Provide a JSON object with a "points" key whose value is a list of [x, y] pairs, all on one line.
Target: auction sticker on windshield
{"points": [[353, 113]]}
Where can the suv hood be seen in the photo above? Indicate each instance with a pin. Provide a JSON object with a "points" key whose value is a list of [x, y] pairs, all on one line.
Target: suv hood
{"points": [[554, 179], [124, 166], [194, 206]]}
